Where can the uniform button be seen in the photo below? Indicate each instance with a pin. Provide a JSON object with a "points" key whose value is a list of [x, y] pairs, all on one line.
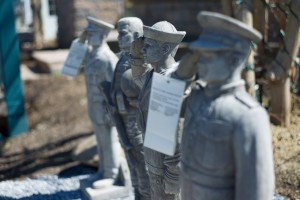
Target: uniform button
{"points": [[157, 181]]}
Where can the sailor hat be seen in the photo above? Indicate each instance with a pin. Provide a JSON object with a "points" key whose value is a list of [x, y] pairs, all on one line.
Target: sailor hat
{"points": [[220, 32], [163, 31], [98, 25]]}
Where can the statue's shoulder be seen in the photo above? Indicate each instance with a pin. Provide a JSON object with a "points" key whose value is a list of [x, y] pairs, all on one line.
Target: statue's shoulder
{"points": [[172, 68], [197, 85], [195, 94], [105, 53], [246, 100], [119, 54]]}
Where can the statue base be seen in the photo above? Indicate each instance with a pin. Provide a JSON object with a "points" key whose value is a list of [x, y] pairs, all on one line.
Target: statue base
{"points": [[121, 189], [108, 193]]}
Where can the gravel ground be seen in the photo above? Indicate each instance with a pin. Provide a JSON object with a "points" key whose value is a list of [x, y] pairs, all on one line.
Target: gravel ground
{"points": [[47, 187], [64, 186], [51, 188]]}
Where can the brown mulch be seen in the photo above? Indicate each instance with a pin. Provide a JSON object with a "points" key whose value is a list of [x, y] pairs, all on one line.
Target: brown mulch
{"points": [[57, 117], [286, 149]]}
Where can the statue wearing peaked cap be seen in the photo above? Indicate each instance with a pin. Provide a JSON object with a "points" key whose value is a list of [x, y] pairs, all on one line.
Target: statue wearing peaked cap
{"points": [[99, 66], [226, 143], [157, 50]]}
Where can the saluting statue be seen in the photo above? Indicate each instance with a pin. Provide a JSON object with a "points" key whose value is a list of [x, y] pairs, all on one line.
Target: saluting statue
{"points": [[226, 143], [157, 49], [99, 66], [124, 97]]}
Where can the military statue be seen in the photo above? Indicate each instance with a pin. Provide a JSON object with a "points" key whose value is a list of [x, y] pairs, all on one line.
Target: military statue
{"points": [[226, 142], [99, 66], [124, 97], [158, 47]]}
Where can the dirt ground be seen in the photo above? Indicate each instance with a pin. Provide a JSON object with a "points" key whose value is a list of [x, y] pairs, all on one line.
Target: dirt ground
{"points": [[56, 110], [57, 119], [286, 148]]}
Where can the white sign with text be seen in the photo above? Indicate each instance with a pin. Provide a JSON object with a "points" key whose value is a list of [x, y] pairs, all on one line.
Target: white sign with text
{"points": [[75, 59], [163, 113]]}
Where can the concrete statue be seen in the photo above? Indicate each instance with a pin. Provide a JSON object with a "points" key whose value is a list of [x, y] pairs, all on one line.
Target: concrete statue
{"points": [[226, 142], [124, 95], [99, 66], [157, 49]]}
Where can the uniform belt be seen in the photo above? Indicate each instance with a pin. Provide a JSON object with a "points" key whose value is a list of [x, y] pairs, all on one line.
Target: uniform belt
{"points": [[137, 140], [207, 180], [172, 177], [155, 170]]}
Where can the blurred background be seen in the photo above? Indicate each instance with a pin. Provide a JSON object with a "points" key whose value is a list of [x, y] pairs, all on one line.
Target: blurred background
{"points": [[51, 109]]}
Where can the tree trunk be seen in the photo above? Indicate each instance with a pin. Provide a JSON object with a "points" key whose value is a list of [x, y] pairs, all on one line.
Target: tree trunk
{"points": [[37, 23], [243, 12], [281, 69], [227, 7], [260, 17]]}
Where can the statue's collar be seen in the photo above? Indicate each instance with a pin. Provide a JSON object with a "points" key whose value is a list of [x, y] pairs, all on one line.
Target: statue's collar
{"points": [[169, 69], [125, 54], [97, 48], [163, 71], [223, 89]]}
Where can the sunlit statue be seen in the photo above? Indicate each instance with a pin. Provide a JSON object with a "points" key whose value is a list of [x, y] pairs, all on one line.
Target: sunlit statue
{"points": [[226, 142], [124, 96], [157, 49], [99, 65]]}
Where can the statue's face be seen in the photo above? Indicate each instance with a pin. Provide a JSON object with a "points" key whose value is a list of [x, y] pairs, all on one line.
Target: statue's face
{"points": [[94, 38], [152, 51], [126, 36], [213, 67]]}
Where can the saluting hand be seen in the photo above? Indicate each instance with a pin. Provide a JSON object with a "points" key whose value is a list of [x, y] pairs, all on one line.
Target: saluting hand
{"points": [[136, 48], [188, 65]]}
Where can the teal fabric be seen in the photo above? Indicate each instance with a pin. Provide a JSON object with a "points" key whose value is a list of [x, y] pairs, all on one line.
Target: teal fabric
{"points": [[10, 66]]}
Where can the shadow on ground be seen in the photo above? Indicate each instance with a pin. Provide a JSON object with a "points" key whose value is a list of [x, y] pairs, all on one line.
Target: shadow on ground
{"points": [[57, 196], [32, 160]]}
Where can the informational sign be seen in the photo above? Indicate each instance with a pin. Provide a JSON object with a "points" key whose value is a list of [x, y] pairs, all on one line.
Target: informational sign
{"points": [[163, 114], [75, 59]]}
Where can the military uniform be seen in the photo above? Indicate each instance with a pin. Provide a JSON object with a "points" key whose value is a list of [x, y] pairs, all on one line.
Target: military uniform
{"points": [[99, 66], [221, 142], [226, 142], [124, 91], [163, 169]]}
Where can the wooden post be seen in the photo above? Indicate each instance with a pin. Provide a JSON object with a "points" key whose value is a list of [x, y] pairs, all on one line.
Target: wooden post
{"points": [[243, 12], [278, 14], [260, 17], [36, 7], [280, 73], [227, 7]]}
